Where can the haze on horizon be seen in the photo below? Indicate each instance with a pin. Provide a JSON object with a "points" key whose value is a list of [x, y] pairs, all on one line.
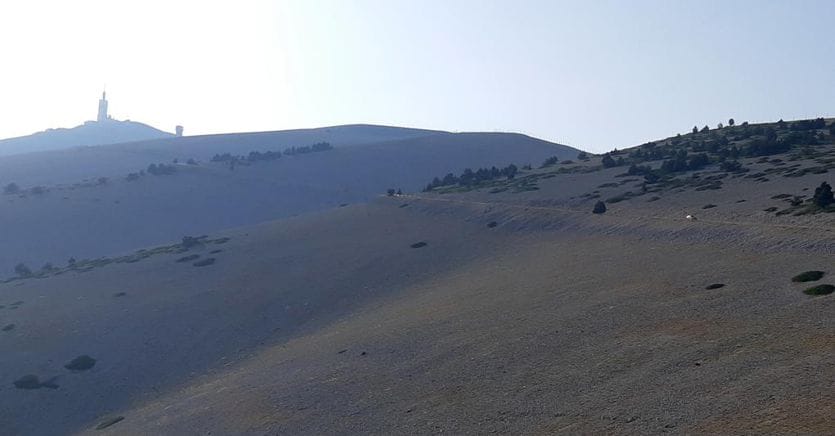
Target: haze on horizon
{"points": [[595, 76]]}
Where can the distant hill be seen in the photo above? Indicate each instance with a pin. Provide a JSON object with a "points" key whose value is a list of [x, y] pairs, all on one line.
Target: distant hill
{"points": [[89, 133], [91, 219], [78, 163]]}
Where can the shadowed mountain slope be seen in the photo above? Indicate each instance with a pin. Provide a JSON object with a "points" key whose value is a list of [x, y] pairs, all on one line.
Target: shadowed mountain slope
{"points": [[95, 217], [81, 162]]}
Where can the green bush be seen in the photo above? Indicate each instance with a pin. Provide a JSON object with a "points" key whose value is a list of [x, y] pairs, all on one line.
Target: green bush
{"points": [[820, 290], [11, 189], [81, 363], [823, 195], [808, 276], [22, 270], [190, 241], [205, 262], [551, 161], [188, 258]]}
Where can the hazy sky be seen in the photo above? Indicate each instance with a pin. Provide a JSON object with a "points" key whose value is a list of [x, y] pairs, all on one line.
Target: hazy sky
{"points": [[595, 75]]}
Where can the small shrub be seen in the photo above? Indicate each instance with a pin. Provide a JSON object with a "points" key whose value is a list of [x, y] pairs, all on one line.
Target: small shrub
{"points": [[599, 207], [22, 270], [820, 290], [188, 258], [190, 241], [205, 262], [11, 189], [808, 276], [823, 195], [29, 381], [551, 161], [81, 363]]}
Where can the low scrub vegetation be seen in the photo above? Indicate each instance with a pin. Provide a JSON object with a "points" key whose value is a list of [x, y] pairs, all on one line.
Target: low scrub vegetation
{"points": [[11, 189], [261, 156], [161, 169], [808, 276], [819, 290], [205, 262], [188, 258], [470, 178], [551, 161]]}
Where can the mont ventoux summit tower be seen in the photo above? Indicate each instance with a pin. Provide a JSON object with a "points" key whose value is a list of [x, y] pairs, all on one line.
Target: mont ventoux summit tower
{"points": [[103, 116]]}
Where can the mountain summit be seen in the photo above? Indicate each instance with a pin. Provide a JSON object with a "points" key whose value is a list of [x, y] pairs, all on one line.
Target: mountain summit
{"points": [[105, 130]]}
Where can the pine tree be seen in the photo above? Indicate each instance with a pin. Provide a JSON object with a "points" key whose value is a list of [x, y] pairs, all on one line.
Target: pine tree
{"points": [[823, 195], [607, 161]]}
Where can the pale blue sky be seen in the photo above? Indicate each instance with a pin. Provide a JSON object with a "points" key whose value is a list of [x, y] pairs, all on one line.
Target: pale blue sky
{"points": [[596, 75]]}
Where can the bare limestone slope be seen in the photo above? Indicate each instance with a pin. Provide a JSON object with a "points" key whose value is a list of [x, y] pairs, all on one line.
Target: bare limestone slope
{"points": [[503, 306], [335, 324]]}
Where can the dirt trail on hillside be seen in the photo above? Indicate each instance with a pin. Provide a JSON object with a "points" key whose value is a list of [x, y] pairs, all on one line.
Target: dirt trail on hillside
{"points": [[746, 224], [747, 234]]}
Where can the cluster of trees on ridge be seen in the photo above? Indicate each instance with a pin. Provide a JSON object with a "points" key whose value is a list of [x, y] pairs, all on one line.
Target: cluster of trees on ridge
{"points": [[255, 156], [714, 146], [472, 178]]}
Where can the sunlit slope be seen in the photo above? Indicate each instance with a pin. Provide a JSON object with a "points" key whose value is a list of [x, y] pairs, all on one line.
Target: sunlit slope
{"points": [[90, 219], [417, 316]]}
